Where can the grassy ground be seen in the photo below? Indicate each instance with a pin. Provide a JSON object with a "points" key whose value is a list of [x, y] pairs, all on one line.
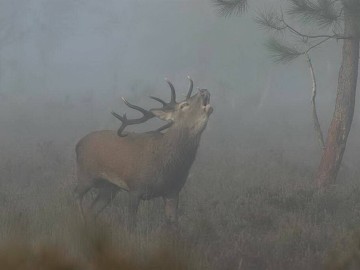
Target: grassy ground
{"points": [[248, 203], [258, 212]]}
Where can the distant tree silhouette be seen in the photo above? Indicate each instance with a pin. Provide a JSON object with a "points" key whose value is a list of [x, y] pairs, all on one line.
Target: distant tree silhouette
{"points": [[13, 25]]}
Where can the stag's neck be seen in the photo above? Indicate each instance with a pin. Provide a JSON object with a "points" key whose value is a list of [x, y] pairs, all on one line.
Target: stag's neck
{"points": [[180, 147], [180, 137]]}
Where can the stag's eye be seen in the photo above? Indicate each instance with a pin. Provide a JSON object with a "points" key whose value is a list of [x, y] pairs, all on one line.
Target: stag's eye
{"points": [[184, 105]]}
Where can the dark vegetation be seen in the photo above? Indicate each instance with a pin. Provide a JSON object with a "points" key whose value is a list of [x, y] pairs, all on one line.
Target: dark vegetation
{"points": [[246, 205]]}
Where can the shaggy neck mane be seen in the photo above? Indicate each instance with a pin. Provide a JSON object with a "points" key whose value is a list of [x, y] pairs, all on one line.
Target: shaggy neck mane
{"points": [[181, 147]]}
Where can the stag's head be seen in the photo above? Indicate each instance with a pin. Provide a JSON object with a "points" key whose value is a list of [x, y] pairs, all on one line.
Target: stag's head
{"points": [[189, 115]]}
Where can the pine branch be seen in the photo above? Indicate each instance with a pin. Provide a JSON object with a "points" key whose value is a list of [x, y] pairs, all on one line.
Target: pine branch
{"points": [[269, 20], [280, 52], [317, 44], [283, 53], [308, 36], [230, 7], [324, 12], [273, 21]]}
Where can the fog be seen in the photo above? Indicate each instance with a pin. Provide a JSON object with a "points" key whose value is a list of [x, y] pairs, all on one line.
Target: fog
{"points": [[88, 55], [64, 66]]}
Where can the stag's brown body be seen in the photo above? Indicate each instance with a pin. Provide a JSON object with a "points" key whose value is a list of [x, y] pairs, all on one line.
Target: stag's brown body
{"points": [[147, 165]]}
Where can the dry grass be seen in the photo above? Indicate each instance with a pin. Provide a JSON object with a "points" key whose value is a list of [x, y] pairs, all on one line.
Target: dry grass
{"points": [[245, 210]]}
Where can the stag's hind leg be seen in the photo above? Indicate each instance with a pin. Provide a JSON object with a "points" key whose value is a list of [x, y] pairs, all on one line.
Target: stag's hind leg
{"points": [[134, 202], [106, 194], [171, 207], [80, 192], [85, 183]]}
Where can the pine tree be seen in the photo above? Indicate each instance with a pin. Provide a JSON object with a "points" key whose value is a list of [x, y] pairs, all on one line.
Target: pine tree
{"points": [[328, 20]]}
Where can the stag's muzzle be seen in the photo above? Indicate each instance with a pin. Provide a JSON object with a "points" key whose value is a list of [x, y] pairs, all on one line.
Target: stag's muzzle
{"points": [[205, 95]]}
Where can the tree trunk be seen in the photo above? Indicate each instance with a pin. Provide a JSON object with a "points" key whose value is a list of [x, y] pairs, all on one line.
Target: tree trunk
{"points": [[344, 109]]}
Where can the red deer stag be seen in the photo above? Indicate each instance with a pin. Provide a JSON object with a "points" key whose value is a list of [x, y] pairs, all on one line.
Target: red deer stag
{"points": [[147, 165]]}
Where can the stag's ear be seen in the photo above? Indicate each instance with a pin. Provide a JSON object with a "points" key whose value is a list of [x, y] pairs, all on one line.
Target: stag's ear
{"points": [[163, 115]]}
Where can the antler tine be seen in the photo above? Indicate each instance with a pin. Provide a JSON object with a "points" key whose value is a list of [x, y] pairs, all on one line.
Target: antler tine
{"points": [[148, 114], [173, 94], [190, 88], [125, 121], [121, 118], [143, 111], [160, 100]]}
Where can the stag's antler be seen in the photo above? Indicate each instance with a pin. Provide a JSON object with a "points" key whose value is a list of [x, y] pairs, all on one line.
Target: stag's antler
{"points": [[172, 103], [190, 88], [148, 114], [168, 105], [125, 121]]}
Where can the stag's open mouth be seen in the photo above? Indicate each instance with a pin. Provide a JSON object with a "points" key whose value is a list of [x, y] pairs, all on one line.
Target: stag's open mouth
{"points": [[205, 96], [206, 100]]}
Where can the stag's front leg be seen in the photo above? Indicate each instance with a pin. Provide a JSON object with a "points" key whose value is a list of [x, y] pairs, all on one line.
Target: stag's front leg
{"points": [[171, 207]]}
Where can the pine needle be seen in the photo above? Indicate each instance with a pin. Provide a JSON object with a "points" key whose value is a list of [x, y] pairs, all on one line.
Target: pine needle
{"points": [[230, 7], [269, 21], [280, 52], [324, 12]]}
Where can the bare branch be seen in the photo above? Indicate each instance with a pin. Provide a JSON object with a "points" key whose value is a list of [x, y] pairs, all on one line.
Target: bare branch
{"points": [[317, 126], [317, 44]]}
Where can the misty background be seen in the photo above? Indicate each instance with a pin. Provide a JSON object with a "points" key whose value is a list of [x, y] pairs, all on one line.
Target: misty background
{"points": [[65, 64]]}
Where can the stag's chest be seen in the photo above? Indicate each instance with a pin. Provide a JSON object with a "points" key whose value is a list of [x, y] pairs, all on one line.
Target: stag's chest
{"points": [[167, 170], [175, 172]]}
